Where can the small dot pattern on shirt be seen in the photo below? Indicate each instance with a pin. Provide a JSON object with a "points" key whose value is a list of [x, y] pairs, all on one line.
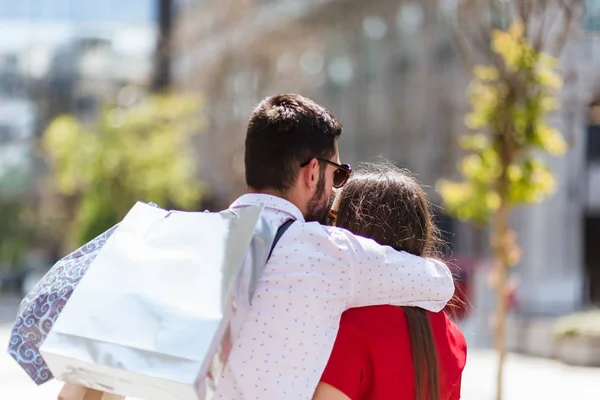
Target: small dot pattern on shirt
{"points": [[315, 274]]}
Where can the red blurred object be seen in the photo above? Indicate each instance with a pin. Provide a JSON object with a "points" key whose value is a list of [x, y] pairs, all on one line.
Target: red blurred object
{"points": [[461, 268]]}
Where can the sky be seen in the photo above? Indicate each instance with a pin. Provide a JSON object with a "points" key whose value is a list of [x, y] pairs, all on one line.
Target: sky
{"points": [[127, 11], [25, 23]]}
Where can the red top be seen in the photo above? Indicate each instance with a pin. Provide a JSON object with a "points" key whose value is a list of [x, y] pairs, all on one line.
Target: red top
{"points": [[372, 356]]}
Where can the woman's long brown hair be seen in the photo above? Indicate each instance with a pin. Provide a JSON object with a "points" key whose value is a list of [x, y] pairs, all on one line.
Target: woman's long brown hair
{"points": [[386, 204]]}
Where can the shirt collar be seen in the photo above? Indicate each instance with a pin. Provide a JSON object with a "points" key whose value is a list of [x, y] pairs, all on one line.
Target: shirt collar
{"points": [[272, 202]]}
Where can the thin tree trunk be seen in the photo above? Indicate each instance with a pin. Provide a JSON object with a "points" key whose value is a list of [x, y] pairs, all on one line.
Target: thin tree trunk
{"points": [[502, 230], [502, 251]]}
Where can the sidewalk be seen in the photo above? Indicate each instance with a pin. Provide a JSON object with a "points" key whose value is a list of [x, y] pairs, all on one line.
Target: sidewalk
{"points": [[525, 378], [528, 378]]}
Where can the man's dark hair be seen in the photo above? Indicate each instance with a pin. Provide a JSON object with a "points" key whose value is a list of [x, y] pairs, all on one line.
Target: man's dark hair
{"points": [[285, 131]]}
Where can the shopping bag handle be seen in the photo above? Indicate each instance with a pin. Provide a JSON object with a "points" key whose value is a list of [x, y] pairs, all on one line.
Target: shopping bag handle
{"points": [[280, 231]]}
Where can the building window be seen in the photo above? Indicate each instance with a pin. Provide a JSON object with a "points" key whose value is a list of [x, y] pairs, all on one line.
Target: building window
{"points": [[593, 132], [374, 28], [6, 134], [444, 52], [593, 143], [591, 20], [409, 19], [403, 63], [86, 106], [340, 71]]}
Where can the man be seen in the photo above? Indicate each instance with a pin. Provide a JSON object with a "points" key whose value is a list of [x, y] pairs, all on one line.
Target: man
{"points": [[315, 272]]}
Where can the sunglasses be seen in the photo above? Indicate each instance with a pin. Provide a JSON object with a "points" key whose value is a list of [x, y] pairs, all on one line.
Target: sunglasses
{"points": [[340, 175], [331, 217]]}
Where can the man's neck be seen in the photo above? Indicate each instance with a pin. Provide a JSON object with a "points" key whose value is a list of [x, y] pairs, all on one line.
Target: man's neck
{"points": [[272, 192], [277, 193]]}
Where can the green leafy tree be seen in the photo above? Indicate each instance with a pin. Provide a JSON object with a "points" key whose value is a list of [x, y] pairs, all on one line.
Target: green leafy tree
{"points": [[503, 167], [15, 234], [17, 224], [136, 153]]}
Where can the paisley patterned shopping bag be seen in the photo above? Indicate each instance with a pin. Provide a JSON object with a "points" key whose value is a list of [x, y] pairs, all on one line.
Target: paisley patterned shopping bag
{"points": [[40, 308]]}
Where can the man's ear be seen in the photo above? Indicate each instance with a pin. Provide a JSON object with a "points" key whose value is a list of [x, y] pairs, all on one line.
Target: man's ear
{"points": [[309, 175]]}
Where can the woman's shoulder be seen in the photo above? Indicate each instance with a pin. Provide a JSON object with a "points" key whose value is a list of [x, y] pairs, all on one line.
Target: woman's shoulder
{"points": [[375, 322], [384, 320], [387, 313], [449, 338], [360, 314], [442, 321]]}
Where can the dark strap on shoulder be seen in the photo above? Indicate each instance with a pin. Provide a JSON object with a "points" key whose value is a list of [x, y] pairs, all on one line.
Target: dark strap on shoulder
{"points": [[280, 231]]}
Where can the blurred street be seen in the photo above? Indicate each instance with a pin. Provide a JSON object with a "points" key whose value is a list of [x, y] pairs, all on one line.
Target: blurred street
{"points": [[493, 105], [526, 377]]}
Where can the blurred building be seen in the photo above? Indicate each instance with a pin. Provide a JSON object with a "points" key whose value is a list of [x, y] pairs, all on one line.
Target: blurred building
{"points": [[17, 119], [17, 123], [63, 56], [386, 69], [89, 70], [64, 47], [56, 57], [390, 72], [560, 269]]}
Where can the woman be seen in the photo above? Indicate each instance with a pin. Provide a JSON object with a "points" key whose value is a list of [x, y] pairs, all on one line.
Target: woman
{"points": [[387, 352]]}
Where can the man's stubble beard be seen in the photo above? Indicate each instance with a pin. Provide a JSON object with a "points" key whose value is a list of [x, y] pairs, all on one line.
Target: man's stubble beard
{"points": [[319, 205]]}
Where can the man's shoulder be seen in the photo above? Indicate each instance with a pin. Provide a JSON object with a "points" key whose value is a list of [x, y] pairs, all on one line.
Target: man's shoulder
{"points": [[325, 231], [321, 238]]}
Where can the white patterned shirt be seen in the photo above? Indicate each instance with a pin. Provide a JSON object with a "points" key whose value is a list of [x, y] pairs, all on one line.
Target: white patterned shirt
{"points": [[314, 274]]}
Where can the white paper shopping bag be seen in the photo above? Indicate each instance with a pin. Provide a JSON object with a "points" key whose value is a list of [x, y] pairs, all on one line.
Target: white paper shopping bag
{"points": [[149, 317]]}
